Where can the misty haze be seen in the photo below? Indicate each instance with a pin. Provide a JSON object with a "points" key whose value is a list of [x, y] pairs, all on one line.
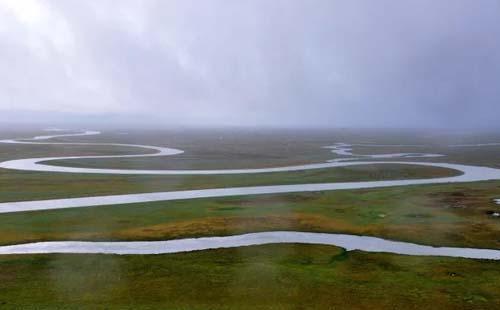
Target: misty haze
{"points": [[249, 154]]}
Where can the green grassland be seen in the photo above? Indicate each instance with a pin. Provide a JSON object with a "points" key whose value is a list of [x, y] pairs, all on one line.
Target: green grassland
{"points": [[22, 185], [216, 149], [219, 159], [207, 149], [452, 215], [259, 277], [480, 156]]}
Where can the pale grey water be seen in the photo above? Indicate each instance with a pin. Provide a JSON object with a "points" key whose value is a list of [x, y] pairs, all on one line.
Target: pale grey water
{"points": [[349, 242], [471, 173], [344, 149]]}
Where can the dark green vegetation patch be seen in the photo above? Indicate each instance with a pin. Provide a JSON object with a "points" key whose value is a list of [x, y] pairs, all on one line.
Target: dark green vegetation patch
{"points": [[260, 277], [442, 215]]}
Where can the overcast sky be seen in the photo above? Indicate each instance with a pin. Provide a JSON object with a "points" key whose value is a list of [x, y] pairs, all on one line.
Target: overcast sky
{"points": [[420, 63]]}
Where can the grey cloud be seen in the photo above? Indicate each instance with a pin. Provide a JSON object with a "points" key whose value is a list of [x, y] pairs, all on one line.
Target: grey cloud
{"points": [[351, 63]]}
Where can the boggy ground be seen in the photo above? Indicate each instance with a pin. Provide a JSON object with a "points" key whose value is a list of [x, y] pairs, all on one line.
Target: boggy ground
{"points": [[442, 215], [259, 277], [206, 149], [239, 148], [263, 277], [249, 148], [23, 185]]}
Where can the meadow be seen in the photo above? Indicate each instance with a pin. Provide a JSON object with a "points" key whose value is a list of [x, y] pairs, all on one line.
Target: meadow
{"points": [[263, 277], [282, 276]]}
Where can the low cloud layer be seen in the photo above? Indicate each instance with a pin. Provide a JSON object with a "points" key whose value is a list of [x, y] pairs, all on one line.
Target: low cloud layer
{"points": [[420, 63]]}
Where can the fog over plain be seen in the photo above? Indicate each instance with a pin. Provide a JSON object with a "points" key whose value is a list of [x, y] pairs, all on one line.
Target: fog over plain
{"points": [[351, 63]]}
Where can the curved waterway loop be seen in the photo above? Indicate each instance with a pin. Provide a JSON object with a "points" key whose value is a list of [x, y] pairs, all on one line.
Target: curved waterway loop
{"points": [[469, 174], [41, 164], [349, 242]]}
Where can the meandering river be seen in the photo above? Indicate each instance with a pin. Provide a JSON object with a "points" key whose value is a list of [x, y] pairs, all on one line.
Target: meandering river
{"points": [[349, 242]]}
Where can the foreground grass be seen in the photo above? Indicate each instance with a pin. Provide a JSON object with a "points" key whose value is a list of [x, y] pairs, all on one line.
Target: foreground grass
{"points": [[20, 186], [441, 215], [259, 277]]}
